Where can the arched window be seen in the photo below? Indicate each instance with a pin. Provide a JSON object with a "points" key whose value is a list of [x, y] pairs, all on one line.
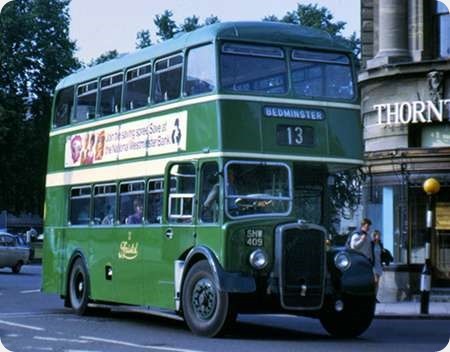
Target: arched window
{"points": [[443, 29]]}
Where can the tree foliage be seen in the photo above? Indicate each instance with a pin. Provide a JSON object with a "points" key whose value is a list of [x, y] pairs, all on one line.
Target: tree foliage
{"points": [[35, 54], [143, 39], [167, 27], [190, 24], [321, 18], [346, 193], [106, 56]]}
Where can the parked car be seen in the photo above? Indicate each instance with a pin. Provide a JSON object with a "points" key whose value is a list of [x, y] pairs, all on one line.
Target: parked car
{"points": [[13, 252]]}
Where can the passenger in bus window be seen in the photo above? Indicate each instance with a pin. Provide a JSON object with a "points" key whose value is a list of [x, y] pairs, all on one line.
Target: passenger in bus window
{"points": [[109, 217], [136, 217]]}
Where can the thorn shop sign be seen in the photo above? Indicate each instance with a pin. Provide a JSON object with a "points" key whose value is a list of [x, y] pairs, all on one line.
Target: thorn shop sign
{"points": [[152, 136], [412, 112]]}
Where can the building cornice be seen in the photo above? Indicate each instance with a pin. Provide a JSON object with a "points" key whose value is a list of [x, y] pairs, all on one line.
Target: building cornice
{"points": [[403, 69]]}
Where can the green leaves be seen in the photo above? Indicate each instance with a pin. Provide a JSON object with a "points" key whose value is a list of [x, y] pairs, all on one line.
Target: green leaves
{"points": [[35, 54]]}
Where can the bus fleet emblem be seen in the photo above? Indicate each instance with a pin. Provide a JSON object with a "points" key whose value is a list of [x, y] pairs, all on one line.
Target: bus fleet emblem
{"points": [[128, 250]]}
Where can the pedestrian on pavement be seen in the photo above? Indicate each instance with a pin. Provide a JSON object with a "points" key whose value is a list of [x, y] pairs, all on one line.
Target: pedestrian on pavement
{"points": [[360, 240], [377, 250]]}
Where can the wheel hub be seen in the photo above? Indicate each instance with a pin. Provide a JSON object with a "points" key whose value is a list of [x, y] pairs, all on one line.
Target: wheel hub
{"points": [[204, 299]]}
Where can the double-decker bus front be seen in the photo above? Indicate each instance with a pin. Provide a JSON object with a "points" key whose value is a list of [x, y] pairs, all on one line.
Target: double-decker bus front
{"points": [[290, 120]]}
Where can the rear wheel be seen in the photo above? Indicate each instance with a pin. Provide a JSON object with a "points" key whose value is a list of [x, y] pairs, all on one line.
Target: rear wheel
{"points": [[355, 317], [207, 310], [16, 268], [79, 287]]}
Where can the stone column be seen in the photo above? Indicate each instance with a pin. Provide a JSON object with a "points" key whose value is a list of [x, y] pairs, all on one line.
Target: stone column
{"points": [[393, 33]]}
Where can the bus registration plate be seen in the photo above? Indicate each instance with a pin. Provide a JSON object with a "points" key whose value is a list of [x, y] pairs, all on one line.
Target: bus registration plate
{"points": [[254, 238], [295, 135]]}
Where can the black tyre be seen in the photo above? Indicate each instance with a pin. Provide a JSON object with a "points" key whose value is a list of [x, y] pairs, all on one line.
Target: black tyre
{"points": [[207, 311], [16, 268], [352, 321], [79, 287]]}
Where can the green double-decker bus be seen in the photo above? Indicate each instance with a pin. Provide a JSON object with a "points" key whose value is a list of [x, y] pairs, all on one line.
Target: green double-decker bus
{"points": [[192, 178]]}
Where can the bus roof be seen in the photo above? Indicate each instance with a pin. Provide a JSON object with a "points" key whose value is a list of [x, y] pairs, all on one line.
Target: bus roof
{"points": [[263, 32]]}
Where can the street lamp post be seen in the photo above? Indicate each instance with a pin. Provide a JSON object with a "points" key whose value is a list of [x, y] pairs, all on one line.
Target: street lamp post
{"points": [[431, 186]]}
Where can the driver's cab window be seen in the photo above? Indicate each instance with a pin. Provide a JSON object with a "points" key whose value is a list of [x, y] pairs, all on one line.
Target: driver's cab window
{"points": [[209, 193], [182, 195], [257, 189]]}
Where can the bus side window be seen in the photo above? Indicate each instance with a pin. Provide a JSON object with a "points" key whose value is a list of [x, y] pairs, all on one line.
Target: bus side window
{"points": [[132, 202], [137, 89], [104, 204], [201, 71], [111, 94], [80, 201], [63, 107], [155, 191], [86, 101], [209, 193], [181, 197], [167, 78]]}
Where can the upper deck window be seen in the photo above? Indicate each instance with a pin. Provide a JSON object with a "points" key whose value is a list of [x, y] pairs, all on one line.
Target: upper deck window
{"points": [[167, 78], [110, 94], [63, 107], [137, 91], [86, 100], [201, 71], [252, 68], [319, 74]]}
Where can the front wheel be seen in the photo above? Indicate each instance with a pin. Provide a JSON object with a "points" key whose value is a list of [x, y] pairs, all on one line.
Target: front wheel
{"points": [[79, 287], [207, 310], [355, 317]]}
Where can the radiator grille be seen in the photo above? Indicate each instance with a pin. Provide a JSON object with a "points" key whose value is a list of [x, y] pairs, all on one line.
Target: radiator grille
{"points": [[302, 267]]}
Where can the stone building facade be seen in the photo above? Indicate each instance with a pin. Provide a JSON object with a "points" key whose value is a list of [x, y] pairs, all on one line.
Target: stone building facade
{"points": [[405, 106]]}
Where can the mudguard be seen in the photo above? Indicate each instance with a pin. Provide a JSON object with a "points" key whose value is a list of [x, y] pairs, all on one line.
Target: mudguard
{"points": [[358, 280], [225, 281]]}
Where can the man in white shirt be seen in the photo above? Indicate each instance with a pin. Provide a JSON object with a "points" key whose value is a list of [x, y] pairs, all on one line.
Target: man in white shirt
{"points": [[361, 241]]}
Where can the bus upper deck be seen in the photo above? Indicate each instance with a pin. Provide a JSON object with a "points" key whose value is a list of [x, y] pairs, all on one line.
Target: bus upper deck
{"points": [[291, 91]]}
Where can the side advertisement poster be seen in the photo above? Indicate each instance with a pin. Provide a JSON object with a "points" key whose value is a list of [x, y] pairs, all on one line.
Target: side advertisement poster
{"points": [[152, 136]]}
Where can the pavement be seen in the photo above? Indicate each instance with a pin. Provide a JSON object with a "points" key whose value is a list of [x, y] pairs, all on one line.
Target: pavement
{"points": [[411, 310]]}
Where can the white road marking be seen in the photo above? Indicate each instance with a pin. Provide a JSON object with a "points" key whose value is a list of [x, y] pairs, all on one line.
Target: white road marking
{"points": [[23, 326], [59, 339], [12, 335], [31, 291], [129, 344]]}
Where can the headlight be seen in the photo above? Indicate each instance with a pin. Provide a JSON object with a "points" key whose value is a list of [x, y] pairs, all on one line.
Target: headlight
{"points": [[342, 261], [258, 259]]}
